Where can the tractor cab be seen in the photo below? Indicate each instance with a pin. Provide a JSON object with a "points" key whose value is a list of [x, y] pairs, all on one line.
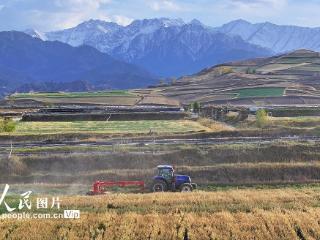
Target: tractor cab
{"points": [[167, 180], [166, 171]]}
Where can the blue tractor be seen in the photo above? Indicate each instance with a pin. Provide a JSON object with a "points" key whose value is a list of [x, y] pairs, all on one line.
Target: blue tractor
{"points": [[167, 180]]}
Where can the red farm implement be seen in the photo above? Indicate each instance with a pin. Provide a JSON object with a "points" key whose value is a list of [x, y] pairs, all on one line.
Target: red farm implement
{"points": [[102, 187]]}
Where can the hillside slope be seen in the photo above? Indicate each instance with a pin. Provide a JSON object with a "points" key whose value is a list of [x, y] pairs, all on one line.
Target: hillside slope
{"points": [[31, 61], [292, 78]]}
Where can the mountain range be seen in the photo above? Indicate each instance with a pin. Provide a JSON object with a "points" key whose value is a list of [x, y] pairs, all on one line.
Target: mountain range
{"points": [[28, 63], [172, 47], [278, 38], [165, 47], [101, 55]]}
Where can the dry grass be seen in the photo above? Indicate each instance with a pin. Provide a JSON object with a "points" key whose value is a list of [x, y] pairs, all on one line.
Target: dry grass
{"points": [[236, 214], [247, 200], [106, 97], [214, 125], [144, 126], [295, 121]]}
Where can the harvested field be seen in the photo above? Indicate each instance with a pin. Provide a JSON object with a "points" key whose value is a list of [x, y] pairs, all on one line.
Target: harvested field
{"points": [[73, 94], [103, 116], [112, 98], [39, 128], [108, 100], [240, 214], [106, 97], [158, 100]]}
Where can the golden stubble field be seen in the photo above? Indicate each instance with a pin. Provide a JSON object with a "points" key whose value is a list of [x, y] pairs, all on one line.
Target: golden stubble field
{"points": [[286, 213]]}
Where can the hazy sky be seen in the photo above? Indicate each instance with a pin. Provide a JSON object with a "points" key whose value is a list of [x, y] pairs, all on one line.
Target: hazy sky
{"points": [[46, 15]]}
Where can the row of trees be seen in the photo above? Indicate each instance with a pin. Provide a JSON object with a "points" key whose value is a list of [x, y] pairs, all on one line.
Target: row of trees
{"points": [[193, 107]]}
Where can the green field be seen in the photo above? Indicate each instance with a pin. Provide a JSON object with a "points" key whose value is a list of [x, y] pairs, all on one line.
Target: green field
{"points": [[73, 94], [115, 97], [260, 92], [158, 126]]}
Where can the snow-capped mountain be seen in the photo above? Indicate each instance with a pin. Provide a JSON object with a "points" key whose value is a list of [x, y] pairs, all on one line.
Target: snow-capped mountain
{"points": [[166, 47], [105, 36], [276, 37]]}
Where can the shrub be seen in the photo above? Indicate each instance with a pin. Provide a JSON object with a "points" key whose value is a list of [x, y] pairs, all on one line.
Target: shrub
{"points": [[250, 71], [196, 107], [7, 125], [224, 70], [261, 118]]}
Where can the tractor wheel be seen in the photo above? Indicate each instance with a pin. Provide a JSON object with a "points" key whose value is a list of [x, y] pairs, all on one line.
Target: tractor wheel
{"points": [[186, 187], [159, 186]]}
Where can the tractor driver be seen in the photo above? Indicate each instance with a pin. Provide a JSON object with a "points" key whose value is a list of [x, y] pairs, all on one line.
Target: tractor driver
{"points": [[167, 173]]}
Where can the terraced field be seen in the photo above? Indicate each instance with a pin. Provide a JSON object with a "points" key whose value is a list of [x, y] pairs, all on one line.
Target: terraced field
{"points": [[298, 71], [112, 98], [260, 92], [156, 126], [233, 163], [107, 97], [73, 94], [278, 67]]}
